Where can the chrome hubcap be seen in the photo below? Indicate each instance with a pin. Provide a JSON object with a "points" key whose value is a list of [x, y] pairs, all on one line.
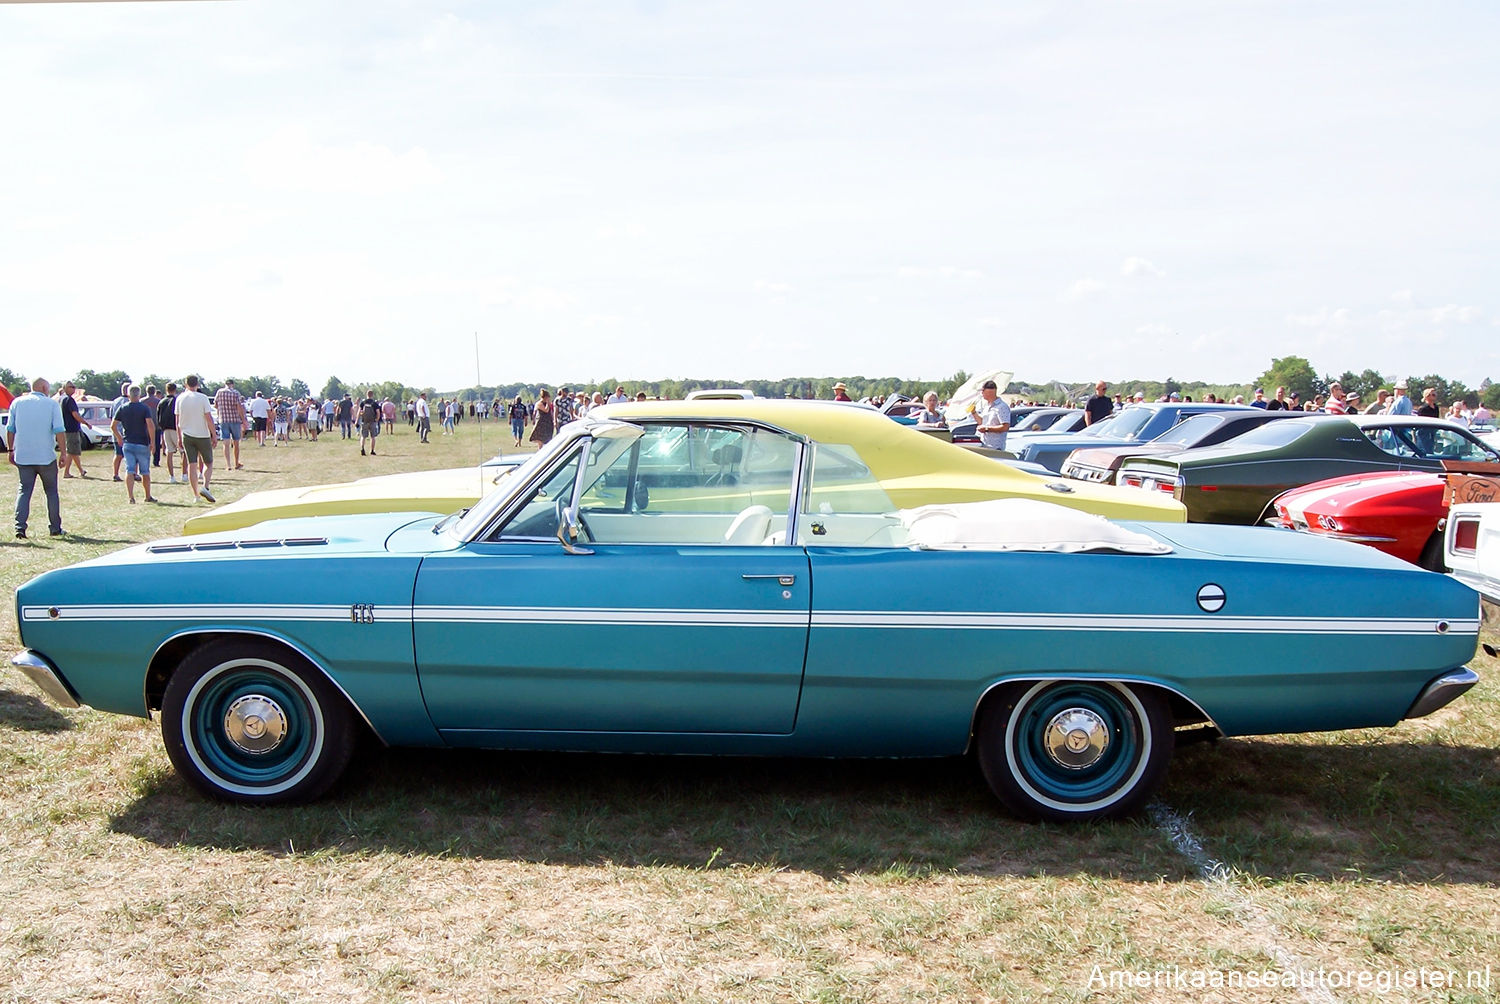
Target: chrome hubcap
{"points": [[1076, 738], [255, 724]]}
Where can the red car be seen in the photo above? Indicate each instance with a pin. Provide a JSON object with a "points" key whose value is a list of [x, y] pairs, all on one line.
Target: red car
{"points": [[1398, 512]]}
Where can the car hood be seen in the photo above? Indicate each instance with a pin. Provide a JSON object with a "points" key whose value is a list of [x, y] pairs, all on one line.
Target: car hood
{"points": [[417, 491], [1072, 441], [1337, 495], [1104, 456], [312, 537]]}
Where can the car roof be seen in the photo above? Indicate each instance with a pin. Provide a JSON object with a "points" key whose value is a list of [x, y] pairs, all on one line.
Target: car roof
{"points": [[1377, 421]]}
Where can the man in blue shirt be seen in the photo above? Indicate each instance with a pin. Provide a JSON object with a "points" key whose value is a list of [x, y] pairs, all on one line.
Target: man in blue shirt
{"points": [[135, 429], [1402, 404], [35, 439]]}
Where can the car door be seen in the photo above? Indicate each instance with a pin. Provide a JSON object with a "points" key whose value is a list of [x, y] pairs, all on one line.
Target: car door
{"points": [[675, 610]]}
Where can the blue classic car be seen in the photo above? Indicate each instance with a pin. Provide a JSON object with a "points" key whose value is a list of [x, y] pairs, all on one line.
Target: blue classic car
{"points": [[714, 577]]}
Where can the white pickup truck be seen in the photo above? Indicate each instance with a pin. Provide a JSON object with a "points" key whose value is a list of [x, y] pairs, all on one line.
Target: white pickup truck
{"points": [[1472, 547]]}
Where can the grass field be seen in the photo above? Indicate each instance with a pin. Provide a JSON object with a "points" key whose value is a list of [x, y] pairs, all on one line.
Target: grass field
{"points": [[471, 876]]}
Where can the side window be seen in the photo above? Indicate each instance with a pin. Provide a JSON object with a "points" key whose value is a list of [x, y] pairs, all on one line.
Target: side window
{"points": [[538, 517], [692, 483], [1391, 442], [845, 505], [1448, 444]]}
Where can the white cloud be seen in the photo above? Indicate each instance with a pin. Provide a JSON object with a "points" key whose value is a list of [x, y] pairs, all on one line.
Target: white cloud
{"points": [[1453, 314], [1321, 318], [291, 161], [992, 322], [938, 272], [1085, 289], [1138, 268], [772, 288]]}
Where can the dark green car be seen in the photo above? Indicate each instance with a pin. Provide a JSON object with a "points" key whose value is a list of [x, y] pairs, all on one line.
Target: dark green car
{"points": [[1234, 482]]}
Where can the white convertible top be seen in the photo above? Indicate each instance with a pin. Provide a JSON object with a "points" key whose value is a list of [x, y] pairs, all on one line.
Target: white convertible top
{"points": [[1020, 525]]}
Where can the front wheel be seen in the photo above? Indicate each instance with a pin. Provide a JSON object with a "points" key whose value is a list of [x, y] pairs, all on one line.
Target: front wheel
{"points": [[1075, 750], [249, 722]]}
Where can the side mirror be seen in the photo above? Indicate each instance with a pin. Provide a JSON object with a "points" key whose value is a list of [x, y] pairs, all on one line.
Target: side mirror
{"points": [[567, 529]]}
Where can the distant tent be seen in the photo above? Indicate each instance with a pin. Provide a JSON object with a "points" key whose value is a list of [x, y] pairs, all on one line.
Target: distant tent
{"points": [[5, 397]]}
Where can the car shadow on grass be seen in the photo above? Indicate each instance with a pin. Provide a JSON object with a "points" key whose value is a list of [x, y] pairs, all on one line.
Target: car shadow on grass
{"points": [[1273, 810], [30, 713], [833, 818]]}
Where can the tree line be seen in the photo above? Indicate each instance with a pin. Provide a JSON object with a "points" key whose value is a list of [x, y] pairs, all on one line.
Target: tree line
{"points": [[1292, 372]]}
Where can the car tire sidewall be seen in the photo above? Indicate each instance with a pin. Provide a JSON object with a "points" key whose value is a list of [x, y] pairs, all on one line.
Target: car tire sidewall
{"points": [[321, 733], [1140, 720]]}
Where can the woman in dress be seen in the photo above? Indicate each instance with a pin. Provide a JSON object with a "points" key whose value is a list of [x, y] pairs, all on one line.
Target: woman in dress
{"points": [[541, 433]]}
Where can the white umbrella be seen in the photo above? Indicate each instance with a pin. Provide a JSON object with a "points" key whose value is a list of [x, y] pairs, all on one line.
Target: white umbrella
{"points": [[967, 394]]}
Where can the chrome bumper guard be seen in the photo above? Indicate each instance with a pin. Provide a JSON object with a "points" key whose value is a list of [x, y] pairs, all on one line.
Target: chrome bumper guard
{"points": [[41, 673], [1442, 692]]}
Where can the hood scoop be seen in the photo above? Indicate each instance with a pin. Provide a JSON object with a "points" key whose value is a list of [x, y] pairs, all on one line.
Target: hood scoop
{"points": [[234, 545]]}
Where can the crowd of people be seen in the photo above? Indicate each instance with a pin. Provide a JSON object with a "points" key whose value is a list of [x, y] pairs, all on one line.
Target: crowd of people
{"points": [[185, 427]]}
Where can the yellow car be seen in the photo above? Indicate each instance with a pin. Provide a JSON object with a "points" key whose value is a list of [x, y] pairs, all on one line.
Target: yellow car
{"points": [[863, 462], [442, 491]]}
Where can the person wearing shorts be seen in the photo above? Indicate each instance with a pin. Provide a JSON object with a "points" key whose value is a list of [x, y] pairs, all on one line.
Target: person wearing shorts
{"points": [[72, 432], [196, 425], [171, 443], [369, 422], [282, 412], [134, 426], [231, 408]]}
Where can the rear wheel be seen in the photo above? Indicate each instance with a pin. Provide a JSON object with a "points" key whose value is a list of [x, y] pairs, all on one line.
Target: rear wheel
{"points": [[1075, 750], [247, 721]]}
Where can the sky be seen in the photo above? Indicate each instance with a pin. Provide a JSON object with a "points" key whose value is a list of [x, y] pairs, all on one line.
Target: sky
{"points": [[487, 192]]}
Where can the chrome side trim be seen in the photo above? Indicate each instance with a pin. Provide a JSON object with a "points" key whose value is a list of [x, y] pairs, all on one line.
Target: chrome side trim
{"points": [[1442, 692], [40, 672], [974, 717], [315, 664]]}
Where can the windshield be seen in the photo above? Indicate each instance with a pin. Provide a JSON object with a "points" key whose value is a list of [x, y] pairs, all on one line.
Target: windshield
{"points": [[1104, 427], [1126, 425], [480, 512], [1189, 432]]}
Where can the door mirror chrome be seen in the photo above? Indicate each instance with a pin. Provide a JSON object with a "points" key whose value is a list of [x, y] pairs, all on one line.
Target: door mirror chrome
{"points": [[567, 529]]}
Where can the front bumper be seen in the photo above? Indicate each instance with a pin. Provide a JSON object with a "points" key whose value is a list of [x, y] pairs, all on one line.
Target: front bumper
{"points": [[41, 672], [1442, 692]]}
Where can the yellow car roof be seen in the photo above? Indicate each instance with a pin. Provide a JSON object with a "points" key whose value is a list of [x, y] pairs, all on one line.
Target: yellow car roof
{"points": [[913, 467]]}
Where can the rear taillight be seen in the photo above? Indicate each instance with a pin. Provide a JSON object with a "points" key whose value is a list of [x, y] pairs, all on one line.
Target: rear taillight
{"points": [[1133, 480], [1466, 536]]}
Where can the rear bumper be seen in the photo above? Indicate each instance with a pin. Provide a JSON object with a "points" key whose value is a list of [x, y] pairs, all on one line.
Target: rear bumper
{"points": [[1442, 692], [41, 672]]}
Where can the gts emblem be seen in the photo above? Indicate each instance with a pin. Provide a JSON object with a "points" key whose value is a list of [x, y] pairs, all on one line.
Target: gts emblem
{"points": [[362, 613]]}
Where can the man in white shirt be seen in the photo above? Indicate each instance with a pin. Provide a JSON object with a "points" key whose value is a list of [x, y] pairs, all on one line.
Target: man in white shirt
{"points": [[994, 417], [424, 416], [195, 426], [260, 411], [618, 397]]}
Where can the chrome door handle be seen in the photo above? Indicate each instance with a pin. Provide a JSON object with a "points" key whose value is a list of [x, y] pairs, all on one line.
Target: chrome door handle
{"points": [[781, 580]]}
